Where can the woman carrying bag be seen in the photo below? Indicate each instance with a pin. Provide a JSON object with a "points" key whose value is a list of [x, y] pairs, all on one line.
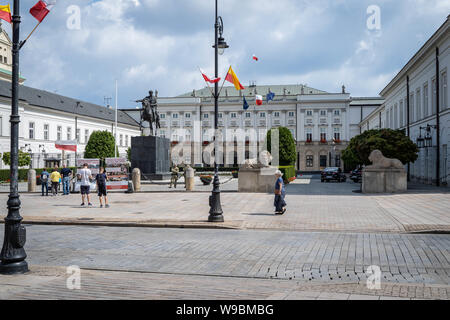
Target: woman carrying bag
{"points": [[280, 193]]}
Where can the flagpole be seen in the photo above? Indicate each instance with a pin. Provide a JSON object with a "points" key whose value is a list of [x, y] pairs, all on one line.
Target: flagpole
{"points": [[212, 93], [115, 138], [223, 82], [23, 42]]}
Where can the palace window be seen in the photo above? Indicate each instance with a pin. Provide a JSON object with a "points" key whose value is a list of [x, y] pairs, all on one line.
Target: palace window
{"points": [[309, 113], [174, 115], [443, 92], [309, 161], [308, 134], [276, 114], [187, 115], [59, 133], [78, 135], [291, 114], [220, 115], [337, 134], [86, 136], [69, 133], [337, 112], [401, 113], [248, 115], [262, 115], [418, 110], [162, 133], [323, 134], [162, 115], [121, 140], [205, 116], [323, 112], [126, 140], [433, 96], [233, 115], [46, 133], [31, 130]]}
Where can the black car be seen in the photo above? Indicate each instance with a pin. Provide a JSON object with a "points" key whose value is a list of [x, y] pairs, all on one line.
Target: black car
{"points": [[332, 173], [356, 175]]}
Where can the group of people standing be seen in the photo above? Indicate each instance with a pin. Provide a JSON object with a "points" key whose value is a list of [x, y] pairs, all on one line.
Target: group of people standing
{"points": [[54, 179], [84, 175]]}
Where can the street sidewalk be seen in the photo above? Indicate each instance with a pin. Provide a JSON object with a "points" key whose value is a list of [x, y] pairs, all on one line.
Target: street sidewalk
{"points": [[50, 283], [312, 206]]}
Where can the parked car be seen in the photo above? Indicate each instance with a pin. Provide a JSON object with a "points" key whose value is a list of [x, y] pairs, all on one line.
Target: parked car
{"points": [[332, 173], [356, 175]]}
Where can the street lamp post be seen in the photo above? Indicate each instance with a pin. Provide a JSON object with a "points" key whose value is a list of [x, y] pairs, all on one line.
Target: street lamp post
{"points": [[13, 254], [215, 212]]}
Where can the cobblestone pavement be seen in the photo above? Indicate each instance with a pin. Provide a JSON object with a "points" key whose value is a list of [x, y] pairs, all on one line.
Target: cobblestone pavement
{"points": [[310, 257], [312, 206], [50, 283]]}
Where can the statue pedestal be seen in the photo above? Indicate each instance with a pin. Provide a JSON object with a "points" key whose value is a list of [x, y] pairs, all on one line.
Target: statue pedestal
{"points": [[257, 180], [151, 155], [384, 180]]}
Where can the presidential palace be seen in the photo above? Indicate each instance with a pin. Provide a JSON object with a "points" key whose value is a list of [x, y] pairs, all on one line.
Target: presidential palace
{"points": [[322, 123]]}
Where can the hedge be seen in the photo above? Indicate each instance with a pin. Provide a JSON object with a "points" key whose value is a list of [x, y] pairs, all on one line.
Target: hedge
{"points": [[23, 173], [288, 172], [209, 169]]}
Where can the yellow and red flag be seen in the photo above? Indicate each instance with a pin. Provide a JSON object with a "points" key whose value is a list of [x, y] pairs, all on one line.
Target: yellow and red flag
{"points": [[232, 77], [5, 13]]}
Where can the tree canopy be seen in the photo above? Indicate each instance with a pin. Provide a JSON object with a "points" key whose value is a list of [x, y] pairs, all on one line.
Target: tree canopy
{"points": [[24, 158], [392, 143], [287, 146], [100, 146]]}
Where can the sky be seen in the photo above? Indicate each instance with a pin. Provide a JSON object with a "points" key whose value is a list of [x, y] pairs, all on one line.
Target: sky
{"points": [[83, 46]]}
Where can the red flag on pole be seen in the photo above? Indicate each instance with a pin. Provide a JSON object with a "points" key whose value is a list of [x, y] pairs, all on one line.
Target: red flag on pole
{"points": [[42, 8]]}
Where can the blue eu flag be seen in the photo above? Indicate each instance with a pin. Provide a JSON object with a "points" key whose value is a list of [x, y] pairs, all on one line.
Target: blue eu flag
{"points": [[245, 104], [270, 96]]}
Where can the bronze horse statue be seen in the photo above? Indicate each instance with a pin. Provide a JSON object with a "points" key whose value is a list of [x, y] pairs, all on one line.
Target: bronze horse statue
{"points": [[149, 112]]}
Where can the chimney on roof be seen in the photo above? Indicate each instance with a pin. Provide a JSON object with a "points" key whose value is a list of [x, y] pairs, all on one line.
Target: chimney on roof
{"points": [[302, 90], [193, 93], [343, 89]]}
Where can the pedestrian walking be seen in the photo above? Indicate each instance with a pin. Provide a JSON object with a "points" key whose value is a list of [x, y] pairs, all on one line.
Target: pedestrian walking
{"points": [[86, 176], [280, 193], [44, 181], [101, 187], [174, 177], [66, 174], [55, 177]]}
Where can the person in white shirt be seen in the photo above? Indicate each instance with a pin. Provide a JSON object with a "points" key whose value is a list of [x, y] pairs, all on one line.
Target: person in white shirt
{"points": [[86, 176]]}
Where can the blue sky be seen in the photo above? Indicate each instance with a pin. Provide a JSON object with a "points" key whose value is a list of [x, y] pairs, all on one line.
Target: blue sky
{"points": [[158, 44]]}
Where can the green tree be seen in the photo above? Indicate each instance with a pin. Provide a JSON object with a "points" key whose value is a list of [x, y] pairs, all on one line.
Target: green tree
{"points": [[129, 154], [392, 143], [24, 158], [287, 146], [100, 146]]}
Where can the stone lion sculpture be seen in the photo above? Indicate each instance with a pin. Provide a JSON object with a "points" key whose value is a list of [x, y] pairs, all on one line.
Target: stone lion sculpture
{"points": [[381, 162], [265, 158]]}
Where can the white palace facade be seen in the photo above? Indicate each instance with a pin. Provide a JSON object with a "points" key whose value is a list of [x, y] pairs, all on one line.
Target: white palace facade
{"points": [[321, 123], [416, 100]]}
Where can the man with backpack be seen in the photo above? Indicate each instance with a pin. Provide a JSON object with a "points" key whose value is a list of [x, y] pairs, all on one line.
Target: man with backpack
{"points": [[44, 181]]}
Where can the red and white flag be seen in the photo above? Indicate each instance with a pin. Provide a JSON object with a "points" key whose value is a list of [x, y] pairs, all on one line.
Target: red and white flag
{"points": [[259, 99], [208, 79], [255, 58], [42, 8], [67, 145]]}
